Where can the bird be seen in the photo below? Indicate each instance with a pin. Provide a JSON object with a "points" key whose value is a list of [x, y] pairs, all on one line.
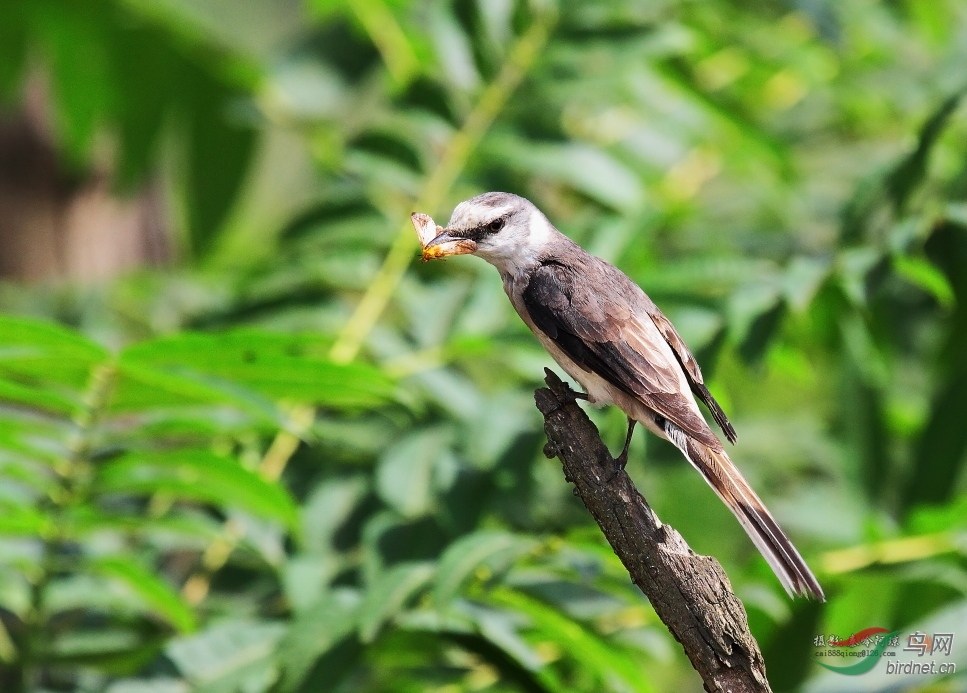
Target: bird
{"points": [[612, 339]]}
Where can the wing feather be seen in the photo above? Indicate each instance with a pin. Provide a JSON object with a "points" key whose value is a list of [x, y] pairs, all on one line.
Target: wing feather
{"points": [[604, 336], [692, 371]]}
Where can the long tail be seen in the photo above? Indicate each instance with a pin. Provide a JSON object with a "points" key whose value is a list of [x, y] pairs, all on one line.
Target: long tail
{"points": [[726, 480]]}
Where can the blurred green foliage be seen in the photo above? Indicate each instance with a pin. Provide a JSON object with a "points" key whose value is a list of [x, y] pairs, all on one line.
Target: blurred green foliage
{"points": [[284, 464]]}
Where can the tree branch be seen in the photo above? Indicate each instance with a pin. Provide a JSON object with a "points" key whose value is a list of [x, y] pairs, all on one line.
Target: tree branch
{"points": [[690, 593]]}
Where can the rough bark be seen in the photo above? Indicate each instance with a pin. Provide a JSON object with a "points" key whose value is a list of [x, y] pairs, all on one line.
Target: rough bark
{"points": [[690, 593]]}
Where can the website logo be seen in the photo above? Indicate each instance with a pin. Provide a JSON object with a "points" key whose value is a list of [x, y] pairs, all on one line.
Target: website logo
{"points": [[862, 651]]}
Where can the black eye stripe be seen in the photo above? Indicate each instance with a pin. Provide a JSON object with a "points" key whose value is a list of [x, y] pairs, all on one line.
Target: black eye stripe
{"points": [[489, 229]]}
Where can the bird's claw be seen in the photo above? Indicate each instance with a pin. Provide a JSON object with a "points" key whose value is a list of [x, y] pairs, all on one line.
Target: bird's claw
{"points": [[572, 395], [620, 462]]}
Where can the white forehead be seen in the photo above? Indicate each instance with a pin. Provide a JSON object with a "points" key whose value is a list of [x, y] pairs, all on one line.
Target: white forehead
{"points": [[483, 209]]}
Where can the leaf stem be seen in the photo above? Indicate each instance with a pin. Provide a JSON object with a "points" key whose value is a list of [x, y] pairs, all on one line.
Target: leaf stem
{"points": [[286, 442], [74, 479], [273, 463], [900, 550], [390, 40], [435, 188]]}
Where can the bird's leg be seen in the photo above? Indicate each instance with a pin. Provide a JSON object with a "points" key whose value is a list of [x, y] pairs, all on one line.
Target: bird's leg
{"points": [[573, 395], [562, 390], [622, 459]]}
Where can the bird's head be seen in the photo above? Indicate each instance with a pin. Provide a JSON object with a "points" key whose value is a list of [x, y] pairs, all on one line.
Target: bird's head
{"points": [[506, 230]]}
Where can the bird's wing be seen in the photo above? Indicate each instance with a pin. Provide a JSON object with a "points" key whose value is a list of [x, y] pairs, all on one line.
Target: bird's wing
{"points": [[692, 371], [604, 334]]}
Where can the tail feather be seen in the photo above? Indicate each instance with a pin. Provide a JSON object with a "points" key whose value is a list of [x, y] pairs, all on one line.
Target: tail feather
{"points": [[728, 483]]}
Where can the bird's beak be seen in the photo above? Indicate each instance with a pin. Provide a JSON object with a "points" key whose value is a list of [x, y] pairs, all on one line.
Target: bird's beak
{"points": [[445, 245]]}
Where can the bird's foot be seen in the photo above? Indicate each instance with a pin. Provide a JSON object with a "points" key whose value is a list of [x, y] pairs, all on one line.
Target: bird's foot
{"points": [[562, 390], [573, 395], [621, 461]]}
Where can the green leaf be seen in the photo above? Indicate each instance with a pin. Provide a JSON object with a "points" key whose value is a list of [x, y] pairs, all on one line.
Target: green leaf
{"points": [[389, 594], [925, 275], [279, 366], [43, 364], [198, 475], [748, 304], [180, 529], [802, 279], [75, 41], [327, 508], [787, 653], [587, 169], [13, 49], [112, 595], [186, 424], [939, 518], [28, 462], [228, 655], [63, 376], [891, 188], [16, 520], [142, 387], [940, 452], [855, 265], [306, 576], [155, 685], [732, 115], [704, 276], [327, 384], [405, 473], [46, 338], [152, 590], [38, 398], [314, 633], [910, 172], [455, 54], [144, 67], [239, 347], [496, 425], [502, 628], [463, 557], [755, 312], [111, 650], [515, 660], [219, 152], [611, 665]]}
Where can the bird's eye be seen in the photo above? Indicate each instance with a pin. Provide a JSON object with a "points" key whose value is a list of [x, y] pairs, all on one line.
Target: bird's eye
{"points": [[496, 225]]}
